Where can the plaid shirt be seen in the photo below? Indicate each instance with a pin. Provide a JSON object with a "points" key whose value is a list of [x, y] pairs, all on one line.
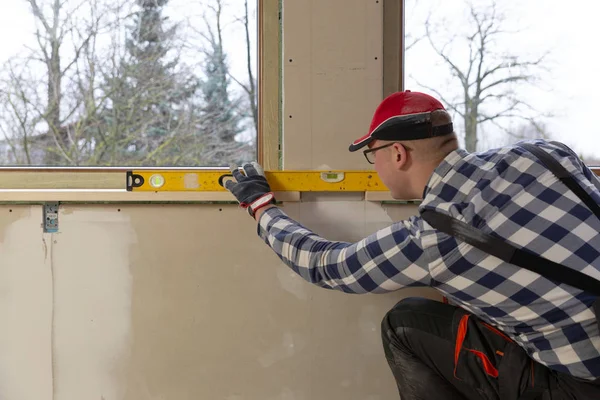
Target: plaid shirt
{"points": [[506, 192]]}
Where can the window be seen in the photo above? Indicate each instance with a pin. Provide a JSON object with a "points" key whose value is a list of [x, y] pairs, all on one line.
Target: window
{"points": [[509, 70], [128, 83]]}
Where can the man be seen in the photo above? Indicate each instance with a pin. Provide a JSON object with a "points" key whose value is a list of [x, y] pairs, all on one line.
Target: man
{"points": [[506, 332]]}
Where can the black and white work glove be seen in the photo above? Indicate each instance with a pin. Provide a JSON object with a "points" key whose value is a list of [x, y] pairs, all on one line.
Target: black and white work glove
{"points": [[251, 189]]}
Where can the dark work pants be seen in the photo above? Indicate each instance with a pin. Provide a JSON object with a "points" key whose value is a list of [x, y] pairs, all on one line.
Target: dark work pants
{"points": [[437, 351]]}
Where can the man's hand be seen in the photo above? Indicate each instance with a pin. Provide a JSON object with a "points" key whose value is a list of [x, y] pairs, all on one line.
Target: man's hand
{"points": [[251, 190]]}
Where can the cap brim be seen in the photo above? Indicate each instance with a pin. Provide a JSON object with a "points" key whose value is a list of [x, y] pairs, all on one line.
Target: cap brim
{"points": [[360, 143]]}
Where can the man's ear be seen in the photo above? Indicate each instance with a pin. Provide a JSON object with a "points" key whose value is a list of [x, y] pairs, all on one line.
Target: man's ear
{"points": [[400, 155]]}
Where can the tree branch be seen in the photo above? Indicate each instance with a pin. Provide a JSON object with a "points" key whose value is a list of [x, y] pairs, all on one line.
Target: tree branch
{"points": [[509, 79], [441, 53]]}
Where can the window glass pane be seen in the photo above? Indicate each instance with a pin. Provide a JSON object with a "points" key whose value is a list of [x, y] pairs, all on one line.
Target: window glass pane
{"points": [[509, 70], [128, 82]]}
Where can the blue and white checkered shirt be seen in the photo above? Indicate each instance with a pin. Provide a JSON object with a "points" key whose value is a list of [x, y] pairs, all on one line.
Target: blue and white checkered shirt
{"points": [[506, 192]]}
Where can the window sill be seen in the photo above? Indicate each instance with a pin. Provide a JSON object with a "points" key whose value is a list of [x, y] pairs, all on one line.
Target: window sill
{"points": [[123, 196]]}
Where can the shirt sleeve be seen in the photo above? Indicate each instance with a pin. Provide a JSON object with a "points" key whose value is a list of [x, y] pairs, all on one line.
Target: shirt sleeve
{"points": [[385, 261]]}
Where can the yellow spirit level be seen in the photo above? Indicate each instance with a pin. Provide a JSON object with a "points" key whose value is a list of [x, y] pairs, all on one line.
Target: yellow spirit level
{"points": [[280, 181]]}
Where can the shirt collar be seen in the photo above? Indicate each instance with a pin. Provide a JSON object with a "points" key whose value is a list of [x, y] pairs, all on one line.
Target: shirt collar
{"points": [[445, 166]]}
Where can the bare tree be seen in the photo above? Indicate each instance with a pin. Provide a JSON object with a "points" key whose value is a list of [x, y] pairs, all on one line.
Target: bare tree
{"points": [[54, 23], [487, 74], [19, 119], [45, 101]]}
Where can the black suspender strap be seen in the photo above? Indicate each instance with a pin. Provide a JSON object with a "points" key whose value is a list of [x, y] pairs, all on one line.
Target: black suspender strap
{"points": [[510, 254], [521, 257]]}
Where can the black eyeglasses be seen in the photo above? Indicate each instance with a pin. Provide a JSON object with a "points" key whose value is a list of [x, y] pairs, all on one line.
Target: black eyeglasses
{"points": [[370, 153]]}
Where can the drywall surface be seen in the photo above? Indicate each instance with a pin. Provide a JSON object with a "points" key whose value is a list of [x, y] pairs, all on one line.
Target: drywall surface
{"points": [[332, 80], [25, 305], [92, 325], [183, 302]]}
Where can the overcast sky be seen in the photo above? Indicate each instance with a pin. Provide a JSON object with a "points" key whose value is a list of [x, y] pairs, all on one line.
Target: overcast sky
{"points": [[570, 90]]}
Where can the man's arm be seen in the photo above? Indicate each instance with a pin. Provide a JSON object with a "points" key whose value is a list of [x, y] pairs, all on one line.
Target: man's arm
{"points": [[383, 262]]}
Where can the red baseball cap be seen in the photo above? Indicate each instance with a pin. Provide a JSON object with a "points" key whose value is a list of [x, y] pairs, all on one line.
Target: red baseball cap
{"points": [[404, 116]]}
